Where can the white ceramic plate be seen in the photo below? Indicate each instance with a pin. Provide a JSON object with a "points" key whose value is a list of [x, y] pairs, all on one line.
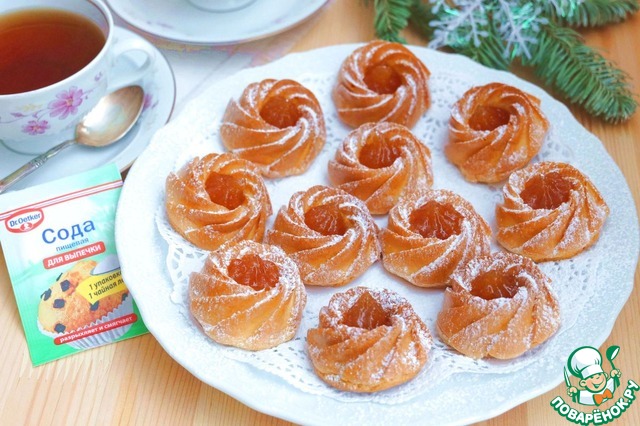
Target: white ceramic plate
{"points": [[179, 20], [452, 389], [160, 93]]}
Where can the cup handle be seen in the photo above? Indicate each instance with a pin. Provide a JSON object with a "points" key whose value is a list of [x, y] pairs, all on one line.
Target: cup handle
{"points": [[121, 48]]}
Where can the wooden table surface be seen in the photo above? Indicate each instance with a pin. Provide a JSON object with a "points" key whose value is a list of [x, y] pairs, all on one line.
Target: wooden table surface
{"points": [[135, 381]]}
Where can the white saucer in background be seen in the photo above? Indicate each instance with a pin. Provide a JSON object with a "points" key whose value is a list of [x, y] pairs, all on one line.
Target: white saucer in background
{"points": [[160, 92], [179, 20]]}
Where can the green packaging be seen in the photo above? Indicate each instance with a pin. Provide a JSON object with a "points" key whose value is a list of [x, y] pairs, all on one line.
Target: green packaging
{"points": [[59, 244]]}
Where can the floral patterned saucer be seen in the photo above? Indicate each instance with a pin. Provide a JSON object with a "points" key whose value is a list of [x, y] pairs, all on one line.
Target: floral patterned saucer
{"points": [[160, 93]]}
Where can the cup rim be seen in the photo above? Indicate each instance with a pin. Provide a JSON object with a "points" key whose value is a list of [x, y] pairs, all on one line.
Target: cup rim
{"points": [[110, 24]]}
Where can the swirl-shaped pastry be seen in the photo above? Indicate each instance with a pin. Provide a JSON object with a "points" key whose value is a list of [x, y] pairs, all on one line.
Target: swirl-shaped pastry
{"points": [[379, 163], [500, 306], [368, 340], [248, 295], [550, 211], [216, 199], [494, 130], [329, 233], [382, 81], [431, 235], [276, 124]]}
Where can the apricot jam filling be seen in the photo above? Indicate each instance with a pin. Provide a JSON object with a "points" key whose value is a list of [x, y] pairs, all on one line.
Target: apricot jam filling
{"points": [[436, 220], [488, 118], [378, 153], [494, 284], [280, 112], [366, 313], [382, 79], [326, 219], [253, 271], [546, 191], [224, 190]]}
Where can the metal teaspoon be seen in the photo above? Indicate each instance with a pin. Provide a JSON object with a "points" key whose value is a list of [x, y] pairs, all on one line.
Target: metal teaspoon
{"points": [[112, 117]]}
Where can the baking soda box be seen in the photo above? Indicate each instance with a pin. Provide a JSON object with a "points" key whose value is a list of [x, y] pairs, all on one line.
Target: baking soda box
{"points": [[59, 245]]}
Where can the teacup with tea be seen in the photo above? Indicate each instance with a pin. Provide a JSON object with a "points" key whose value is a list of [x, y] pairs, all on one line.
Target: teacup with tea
{"points": [[56, 61]]}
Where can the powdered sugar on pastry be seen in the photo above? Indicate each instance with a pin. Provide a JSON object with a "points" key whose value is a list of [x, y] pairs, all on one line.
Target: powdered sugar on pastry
{"points": [[494, 130], [498, 306], [368, 340], [382, 81], [261, 311], [550, 211], [380, 163], [329, 233], [276, 124], [431, 235], [216, 199]]}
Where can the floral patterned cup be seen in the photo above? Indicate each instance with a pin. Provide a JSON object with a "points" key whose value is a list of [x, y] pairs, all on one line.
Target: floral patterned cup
{"points": [[31, 122]]}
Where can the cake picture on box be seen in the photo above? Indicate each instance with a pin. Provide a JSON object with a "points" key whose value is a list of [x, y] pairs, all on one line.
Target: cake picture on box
{"points": [[70, 315]]}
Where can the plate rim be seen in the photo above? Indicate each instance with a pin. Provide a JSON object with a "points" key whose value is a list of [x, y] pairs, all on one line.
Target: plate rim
{"points": [[264, 406], [125, 164], [206, 41]]}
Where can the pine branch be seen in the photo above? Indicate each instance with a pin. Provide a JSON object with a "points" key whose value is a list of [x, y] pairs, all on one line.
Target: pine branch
{"points": [[489, 53], [421, 15], [495, 32], [581, 74], [591, 13], [518, 26], [391, 17], [460, 25]]}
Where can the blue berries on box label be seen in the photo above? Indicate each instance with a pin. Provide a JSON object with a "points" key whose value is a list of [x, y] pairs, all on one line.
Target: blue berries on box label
{"points": [[46, 295]]}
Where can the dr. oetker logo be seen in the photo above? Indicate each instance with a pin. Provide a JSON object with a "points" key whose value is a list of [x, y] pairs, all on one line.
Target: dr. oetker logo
{"points": [[24, 221]]}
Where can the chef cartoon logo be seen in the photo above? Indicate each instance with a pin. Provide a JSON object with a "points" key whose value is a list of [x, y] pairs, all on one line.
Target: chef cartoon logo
{"points": [[592, 381], [596, 385]]}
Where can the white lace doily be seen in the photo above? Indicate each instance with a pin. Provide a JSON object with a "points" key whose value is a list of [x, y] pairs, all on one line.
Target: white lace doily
{"points": [[156, 261]]}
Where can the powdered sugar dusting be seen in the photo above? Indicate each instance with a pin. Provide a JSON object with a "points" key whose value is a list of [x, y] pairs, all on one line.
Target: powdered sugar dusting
{"points": [[492, 155], [156, 264], [321, 258], [443, 361], [358, 104], [354, 358], [573, 225], [411, 169], [428, 262], [506, 324], [276, 151]]}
